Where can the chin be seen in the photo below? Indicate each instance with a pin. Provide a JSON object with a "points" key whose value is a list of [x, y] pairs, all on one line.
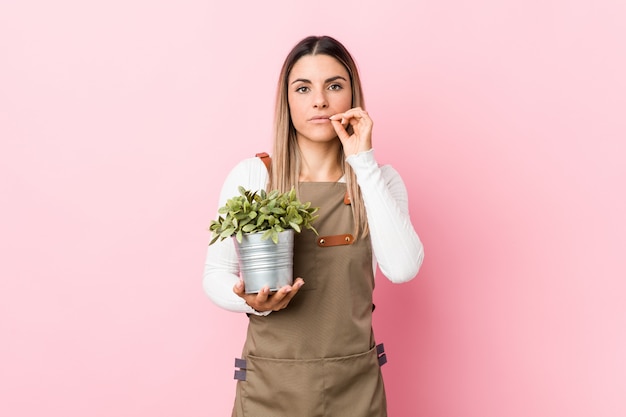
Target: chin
{"points": [[321, 139], [320, 136]]}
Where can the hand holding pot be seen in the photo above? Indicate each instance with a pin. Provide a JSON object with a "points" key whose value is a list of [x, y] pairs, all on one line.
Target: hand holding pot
{"points": [[264, 300]]}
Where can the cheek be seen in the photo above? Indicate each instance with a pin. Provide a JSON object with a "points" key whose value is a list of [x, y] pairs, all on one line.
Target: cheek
{"points": [[295, 110], [346, 101]]}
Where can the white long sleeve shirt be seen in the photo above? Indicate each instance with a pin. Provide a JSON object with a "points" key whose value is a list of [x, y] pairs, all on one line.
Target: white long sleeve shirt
{"points": [[397, 249]]}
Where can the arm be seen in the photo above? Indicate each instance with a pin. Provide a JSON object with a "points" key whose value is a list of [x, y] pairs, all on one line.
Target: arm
{"points": [[221, 268], [396, 246]]}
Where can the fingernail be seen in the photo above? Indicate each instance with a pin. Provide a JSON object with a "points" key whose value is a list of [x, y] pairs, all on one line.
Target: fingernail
{"points": [[331, 117], [343, 120]]}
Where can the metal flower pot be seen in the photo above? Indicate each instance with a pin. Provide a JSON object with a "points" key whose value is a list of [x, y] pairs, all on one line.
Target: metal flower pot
{"points": [[263, 262]]}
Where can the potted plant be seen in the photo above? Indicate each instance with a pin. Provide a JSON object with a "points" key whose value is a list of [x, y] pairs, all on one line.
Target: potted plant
{"points": [[262, 225]]}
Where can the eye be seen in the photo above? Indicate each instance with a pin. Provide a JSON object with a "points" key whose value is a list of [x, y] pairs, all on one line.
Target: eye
{"points": [[335, 87], [302, 89]]}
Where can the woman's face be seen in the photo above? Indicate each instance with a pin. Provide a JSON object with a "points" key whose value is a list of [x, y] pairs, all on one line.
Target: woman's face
{"points": [[318, 87]]}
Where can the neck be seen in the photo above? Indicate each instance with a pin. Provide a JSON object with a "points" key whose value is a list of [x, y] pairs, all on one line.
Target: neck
{"points": [[320, 162]]}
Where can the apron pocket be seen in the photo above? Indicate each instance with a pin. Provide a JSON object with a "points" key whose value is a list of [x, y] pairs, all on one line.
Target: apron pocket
{"points": [[344, 386], [356, 385], [282, 387]]}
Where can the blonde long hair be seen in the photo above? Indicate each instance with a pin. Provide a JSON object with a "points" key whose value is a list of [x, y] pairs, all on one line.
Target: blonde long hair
{"points": [[285, 169]]}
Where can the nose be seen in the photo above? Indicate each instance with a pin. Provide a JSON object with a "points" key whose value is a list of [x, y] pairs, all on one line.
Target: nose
{"points": [[319, 100]]}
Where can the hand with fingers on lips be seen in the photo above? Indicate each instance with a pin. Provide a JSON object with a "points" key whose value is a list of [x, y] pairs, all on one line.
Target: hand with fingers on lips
{"points": [[361, 138]]}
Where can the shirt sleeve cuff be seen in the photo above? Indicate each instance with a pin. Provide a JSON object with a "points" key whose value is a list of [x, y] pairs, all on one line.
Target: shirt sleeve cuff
{"points": [[255, 312], [362, 159]]}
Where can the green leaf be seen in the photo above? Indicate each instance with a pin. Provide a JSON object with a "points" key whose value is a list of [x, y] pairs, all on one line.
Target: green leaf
{"points": [[260, 220], [227, 222], [244, 222], [273, 194], [248, 228]]}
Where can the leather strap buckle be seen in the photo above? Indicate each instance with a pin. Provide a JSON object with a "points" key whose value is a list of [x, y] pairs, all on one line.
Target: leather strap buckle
{"points": [[335, 240]]}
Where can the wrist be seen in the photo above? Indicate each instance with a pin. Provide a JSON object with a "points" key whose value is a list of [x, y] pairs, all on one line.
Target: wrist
{"points": [[252, 310]]}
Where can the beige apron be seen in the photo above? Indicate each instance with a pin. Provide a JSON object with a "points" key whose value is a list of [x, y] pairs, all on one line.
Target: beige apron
{"points": [[318, 356]]}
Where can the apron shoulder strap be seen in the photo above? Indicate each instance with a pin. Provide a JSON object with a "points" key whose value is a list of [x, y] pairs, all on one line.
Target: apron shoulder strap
{"points": [[265, 158]]}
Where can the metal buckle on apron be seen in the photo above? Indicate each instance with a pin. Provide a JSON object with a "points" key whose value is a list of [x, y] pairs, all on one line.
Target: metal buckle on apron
{"points": [[382, 357], [240, 374]]}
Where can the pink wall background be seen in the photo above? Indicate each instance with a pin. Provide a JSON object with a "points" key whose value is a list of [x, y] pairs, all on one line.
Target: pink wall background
{"points": [[120, 119]]}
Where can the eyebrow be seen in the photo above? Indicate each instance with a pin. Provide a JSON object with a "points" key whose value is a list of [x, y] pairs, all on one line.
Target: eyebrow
{"points": [[328, 80]]}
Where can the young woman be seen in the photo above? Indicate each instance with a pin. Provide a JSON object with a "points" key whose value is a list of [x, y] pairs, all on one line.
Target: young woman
{"points": [[310, 349]]}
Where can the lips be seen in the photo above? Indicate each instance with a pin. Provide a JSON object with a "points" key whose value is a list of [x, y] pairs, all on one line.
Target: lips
{"points": [[319, 119]]}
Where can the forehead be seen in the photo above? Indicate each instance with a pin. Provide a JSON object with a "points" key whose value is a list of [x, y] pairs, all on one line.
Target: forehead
{"points": [[317, 67]]}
